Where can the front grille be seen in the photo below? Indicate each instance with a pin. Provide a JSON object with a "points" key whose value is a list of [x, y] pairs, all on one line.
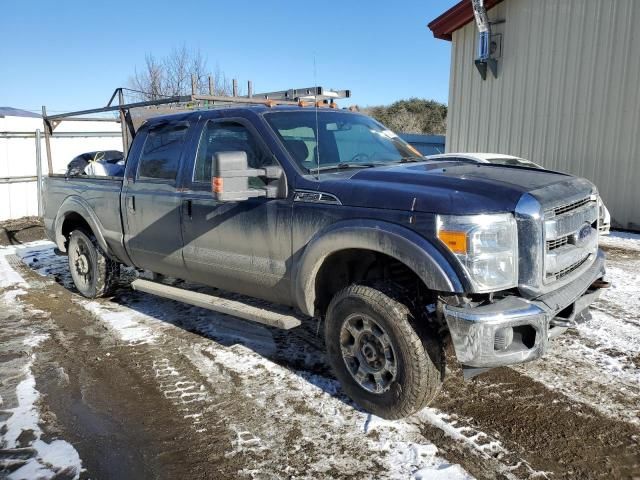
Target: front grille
{"points": [[557, 243], [568, 247], [553, 244], [571, 206], [566, 271]]}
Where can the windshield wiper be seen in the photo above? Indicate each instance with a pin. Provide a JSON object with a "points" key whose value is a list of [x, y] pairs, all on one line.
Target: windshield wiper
{"points": [[342, 166], [406, 160]]}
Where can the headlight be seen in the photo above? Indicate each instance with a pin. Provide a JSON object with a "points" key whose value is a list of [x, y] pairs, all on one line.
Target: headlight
{"points": [[485, 245], [604, 218]]}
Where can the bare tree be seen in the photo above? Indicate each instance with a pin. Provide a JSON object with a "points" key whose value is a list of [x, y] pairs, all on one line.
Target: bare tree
{"points": [[151, 80], [172, 75], [178, 68]]}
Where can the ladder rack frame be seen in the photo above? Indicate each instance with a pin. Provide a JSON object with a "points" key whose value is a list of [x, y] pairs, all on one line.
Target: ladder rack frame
{"points": [[283, 97]]}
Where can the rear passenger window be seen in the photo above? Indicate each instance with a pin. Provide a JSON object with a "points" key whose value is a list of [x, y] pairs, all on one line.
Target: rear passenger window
{"points": [[161, 152]]}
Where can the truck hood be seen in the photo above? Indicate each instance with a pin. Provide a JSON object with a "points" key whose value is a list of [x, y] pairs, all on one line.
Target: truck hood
{"points": [[444, 187]]}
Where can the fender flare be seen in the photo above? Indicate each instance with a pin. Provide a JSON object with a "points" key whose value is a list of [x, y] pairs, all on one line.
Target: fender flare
{"points": [[401, 243], [77, 205]]}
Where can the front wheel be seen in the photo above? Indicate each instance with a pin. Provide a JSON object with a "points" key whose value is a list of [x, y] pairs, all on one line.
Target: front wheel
{"points": [[94, 274], [377, 355]]}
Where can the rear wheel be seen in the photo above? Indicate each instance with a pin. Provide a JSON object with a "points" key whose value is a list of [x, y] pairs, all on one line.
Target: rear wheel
{"points": [[377, 355], [93, 273]]}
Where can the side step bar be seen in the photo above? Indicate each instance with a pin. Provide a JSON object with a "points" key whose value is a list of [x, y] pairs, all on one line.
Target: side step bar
{"points": [[217, 304]]}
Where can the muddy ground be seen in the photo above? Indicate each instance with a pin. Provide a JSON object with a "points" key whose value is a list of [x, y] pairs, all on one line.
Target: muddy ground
{"points": [[21, 230], [139, 387]]}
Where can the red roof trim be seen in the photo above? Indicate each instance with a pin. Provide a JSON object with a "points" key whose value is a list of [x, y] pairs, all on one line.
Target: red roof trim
{"points": [[454, 18]]}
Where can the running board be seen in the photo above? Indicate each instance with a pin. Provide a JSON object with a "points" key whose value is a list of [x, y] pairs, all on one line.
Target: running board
{"points": [[217, 304]]}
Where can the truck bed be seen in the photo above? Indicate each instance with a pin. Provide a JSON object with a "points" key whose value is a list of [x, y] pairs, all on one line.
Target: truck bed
{"points": [[100, 195]]}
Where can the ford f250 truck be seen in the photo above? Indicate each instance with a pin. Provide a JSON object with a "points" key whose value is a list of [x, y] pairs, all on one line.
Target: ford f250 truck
{"points": [[326, 211]]}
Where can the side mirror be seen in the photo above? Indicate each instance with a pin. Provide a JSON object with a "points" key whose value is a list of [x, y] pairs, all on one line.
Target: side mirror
{"points": [[231, 176]]}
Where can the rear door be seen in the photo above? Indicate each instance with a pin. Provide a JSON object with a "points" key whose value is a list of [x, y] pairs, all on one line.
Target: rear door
{"points": [[241, 246], [151, 201]]}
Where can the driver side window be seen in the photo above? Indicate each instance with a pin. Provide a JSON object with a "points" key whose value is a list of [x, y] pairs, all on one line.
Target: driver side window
{"points": [[227, 136]]}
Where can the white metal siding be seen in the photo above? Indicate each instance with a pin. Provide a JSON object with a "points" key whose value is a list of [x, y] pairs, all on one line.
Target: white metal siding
{"points": [[18, 158], [567, 94]]}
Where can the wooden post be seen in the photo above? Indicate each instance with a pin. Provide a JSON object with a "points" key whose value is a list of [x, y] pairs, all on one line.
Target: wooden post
{"points": [[123, 124], [211, 86], [250, 89], [39, 171], [194, 84], [47, 138], [235, 87]]}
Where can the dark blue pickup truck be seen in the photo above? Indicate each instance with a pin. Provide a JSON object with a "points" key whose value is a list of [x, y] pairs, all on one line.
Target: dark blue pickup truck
{"points": [[326, 211]]}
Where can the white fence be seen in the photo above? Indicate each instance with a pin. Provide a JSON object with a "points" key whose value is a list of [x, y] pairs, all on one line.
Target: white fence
{"points": [[18, 156]]}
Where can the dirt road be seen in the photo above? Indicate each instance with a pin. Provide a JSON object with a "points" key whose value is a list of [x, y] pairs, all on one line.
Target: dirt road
{"points": [[140, 387]]}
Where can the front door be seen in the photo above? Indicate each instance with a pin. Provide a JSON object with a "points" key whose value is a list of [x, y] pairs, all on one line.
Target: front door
{"points": [[152, 202], [241, 246]]}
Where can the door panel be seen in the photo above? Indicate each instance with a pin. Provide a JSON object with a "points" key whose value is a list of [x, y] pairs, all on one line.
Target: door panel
{"points": [[154, 236], [152, 203], [242, 246]]}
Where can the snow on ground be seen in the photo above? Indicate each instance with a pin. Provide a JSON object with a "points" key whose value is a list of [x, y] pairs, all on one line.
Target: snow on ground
{"points": [[124, 322], [603, 355], [19, 416], [598, 364], [398, 444], [50, 459], [623, 240], [8, 276], [244, 349]]}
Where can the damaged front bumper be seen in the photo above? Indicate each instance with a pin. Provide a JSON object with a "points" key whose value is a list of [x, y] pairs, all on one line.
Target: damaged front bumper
{"points": [[516, 330]]}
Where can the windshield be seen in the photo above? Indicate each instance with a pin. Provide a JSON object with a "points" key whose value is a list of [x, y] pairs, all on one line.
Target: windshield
{"points": [[343, 140]]}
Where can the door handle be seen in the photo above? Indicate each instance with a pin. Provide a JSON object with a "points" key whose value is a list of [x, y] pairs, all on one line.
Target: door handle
{"points": [[131, 203], [189, 208]]}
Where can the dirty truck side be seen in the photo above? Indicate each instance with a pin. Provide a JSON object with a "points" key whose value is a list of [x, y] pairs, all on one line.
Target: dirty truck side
{"points": [[330, 213]]}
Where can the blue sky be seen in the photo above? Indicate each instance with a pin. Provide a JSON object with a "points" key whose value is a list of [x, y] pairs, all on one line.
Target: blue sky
{"points": [[72, 54]]}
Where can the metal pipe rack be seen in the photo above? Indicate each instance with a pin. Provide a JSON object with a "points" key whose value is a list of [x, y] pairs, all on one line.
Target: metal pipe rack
{"points": [[283, 97]]}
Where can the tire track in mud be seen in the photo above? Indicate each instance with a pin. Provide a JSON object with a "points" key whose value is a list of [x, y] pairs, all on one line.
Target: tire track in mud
{"points": [[268, 416], [278, 412], [555, 436], [250, 439], [123, 420], [300, 352], [516, 427]]}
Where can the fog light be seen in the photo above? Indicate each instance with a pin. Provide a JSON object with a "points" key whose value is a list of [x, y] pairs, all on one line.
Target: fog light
{"points": [[503, 338]]}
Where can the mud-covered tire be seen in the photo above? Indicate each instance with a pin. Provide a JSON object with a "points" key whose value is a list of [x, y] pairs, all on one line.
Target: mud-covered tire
{"points": [[93, 273], [418, 360]]}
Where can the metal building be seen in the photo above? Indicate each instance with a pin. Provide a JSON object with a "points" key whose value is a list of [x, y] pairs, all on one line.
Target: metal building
{"points": [[566, 94]]}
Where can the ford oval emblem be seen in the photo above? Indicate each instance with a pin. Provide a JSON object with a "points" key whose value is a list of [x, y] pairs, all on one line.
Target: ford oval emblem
{"points": [[583, 235]]}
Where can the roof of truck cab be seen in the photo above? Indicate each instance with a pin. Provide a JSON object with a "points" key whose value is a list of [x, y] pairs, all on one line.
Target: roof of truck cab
{"points": [[231, 108]]}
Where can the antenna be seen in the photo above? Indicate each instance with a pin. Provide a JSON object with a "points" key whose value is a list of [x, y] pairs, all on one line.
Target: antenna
{"points": [[315, 105]]}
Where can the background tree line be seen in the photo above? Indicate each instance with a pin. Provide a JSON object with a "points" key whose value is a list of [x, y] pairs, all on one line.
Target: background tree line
{"points": [[171, 75], [415, 115]]}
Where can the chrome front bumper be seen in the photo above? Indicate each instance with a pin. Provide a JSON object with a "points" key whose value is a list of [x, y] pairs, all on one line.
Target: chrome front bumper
{"points": [[516, 330]]}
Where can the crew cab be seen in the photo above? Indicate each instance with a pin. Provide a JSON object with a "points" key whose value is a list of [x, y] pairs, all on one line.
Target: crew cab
{"points": [[328, 212]]}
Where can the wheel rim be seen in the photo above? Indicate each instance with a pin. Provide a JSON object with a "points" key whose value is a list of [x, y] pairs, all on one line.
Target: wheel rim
{"points": [[82, 265], [368, 353]]}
